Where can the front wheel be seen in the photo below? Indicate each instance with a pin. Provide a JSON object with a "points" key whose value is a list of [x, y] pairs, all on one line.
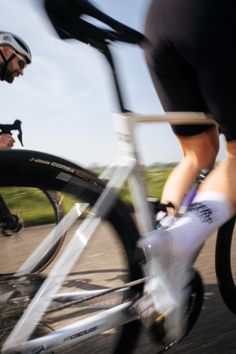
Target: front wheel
{"points": [[109, 258], [225, 261]]}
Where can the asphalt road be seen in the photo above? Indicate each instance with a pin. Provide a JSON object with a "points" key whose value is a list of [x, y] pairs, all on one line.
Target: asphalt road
{"points": [[215, 331]]}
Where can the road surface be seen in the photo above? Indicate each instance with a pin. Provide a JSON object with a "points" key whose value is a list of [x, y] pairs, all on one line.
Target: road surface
{"points": [[215, 332]]}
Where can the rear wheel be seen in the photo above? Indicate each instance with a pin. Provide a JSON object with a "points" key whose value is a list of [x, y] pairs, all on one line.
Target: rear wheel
{"points": [[226, 264]]}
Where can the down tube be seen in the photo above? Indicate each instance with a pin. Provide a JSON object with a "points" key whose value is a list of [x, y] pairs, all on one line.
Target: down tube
{"points": [[142, 207]]}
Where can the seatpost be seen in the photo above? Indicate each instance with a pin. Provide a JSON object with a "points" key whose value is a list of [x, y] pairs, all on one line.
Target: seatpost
{"points": [[107, 52]]}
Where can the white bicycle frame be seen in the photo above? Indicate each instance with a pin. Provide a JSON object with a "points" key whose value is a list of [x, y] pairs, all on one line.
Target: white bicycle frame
{"points": [[127, 168]]}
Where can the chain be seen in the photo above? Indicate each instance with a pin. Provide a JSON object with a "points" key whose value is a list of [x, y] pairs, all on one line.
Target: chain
{"points": [[105, 292]]}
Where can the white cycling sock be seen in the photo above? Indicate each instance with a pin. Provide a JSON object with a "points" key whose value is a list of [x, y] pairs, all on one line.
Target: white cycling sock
{"points": [[208, 211]]}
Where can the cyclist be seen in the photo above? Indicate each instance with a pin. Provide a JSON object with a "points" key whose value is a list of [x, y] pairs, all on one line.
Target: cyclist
{"points": [[191, 71], [192, 63], [14, 57]]}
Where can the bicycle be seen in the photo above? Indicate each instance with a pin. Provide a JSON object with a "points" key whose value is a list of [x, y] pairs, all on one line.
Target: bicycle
{"points": [[15, 221], [99, 205]]}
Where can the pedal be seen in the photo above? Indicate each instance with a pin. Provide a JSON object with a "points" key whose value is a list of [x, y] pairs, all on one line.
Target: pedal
{"points": [[193, 309], [147, 313], [157, 331]]}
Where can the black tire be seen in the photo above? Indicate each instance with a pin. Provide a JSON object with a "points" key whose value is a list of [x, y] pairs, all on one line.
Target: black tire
{"points": [[195, 301], [35, 169], [226, 264]]}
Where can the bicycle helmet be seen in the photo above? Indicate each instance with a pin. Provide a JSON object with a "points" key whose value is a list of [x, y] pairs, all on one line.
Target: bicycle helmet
{"points": [[17, 43]]}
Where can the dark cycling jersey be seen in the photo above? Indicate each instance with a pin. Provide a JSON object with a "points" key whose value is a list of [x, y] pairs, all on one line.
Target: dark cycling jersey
{"points": [[193, 59]]}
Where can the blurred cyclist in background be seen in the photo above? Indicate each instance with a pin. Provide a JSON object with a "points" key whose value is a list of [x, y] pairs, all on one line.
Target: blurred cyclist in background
{"points": [[14, 57]]}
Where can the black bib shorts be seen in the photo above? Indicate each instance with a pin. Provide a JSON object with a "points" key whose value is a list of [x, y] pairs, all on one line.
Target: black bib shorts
{"points": [[192, 59]]}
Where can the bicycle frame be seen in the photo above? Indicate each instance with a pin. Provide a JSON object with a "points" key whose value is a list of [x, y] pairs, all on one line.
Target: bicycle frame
{"points": [[128, 168]]}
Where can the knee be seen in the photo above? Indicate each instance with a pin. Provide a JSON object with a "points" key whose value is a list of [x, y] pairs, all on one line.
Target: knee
{"points": [[201, 151], [205, 155]]}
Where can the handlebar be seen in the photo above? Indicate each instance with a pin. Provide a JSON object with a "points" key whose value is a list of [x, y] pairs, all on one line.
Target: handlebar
{"points": [[8, 128], [67, 18]]}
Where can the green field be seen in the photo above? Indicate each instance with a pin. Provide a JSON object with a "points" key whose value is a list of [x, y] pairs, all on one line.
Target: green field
{"points": [[34, 208], [155, 179], [31, 204]]}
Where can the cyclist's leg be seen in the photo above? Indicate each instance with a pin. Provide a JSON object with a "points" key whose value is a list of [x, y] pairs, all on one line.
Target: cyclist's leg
{"points": [[177, 86], [214, 204], [222, 179], [173, 76], [198, 152]]}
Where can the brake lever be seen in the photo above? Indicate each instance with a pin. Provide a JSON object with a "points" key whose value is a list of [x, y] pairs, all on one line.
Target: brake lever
{"points": [[8, 128]]}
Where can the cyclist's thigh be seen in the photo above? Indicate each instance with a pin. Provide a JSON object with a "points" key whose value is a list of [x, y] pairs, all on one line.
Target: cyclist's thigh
{"points": [[213, 55], [194, 57], [217, 80], [175, 79]]}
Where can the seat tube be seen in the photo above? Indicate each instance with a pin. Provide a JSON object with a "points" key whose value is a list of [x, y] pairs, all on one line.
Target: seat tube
{"points": [[125, 124]]}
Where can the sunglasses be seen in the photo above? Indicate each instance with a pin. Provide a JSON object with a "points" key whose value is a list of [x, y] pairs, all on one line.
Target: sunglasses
{"points": [[21, 61]]}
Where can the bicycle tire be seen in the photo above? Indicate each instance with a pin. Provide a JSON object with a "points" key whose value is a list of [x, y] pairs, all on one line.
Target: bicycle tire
{"points": [[225, 264], [36, 169]]}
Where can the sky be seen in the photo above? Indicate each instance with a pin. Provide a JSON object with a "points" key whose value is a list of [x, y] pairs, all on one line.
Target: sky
{"points": [[65, 99]]}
